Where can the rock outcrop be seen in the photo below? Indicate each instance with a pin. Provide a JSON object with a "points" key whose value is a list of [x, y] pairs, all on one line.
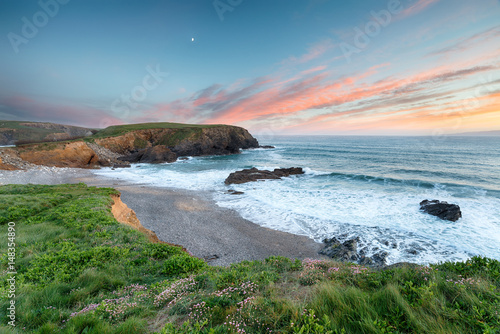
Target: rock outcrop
{"points": [[347, 251], [254, 174], [75, 154], [216, 140], [443, 210], [154, 155]]}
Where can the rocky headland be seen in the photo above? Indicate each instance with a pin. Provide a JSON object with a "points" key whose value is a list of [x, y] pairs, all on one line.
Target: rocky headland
{"points": [[119, 145]]}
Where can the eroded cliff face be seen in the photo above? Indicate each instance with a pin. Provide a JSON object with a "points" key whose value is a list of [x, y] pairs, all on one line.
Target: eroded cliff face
{"points": [[183, 142], [159, 145], [123, 214], [75, 154]]}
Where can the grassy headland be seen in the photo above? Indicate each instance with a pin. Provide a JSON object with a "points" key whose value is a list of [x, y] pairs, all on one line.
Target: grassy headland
{"points": [[80, 271], [32, 132], [118, 130]]}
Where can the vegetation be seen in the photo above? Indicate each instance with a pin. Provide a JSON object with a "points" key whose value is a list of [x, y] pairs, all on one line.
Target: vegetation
{"points": [[80, 271], [118, 130], [50, 140], [21, 133], [38, 138]]}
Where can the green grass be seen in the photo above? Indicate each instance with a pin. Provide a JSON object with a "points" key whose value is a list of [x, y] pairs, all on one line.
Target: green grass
{"points": [[118, 130], [23, 132], [80, 271], [38, 135]]}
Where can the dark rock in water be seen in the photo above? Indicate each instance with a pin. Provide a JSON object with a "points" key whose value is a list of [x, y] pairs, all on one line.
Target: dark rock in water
{"points": [[266, 146], [442, 210], [347, 251], [121, 166], [155, 155], [254, 174], [366, 261], [158, 154], [380, 258], [234, 192]]}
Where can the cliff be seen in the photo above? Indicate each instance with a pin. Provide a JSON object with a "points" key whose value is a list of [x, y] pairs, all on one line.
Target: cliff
{"points": [[12, 132], [217, 140], [154, 142]]}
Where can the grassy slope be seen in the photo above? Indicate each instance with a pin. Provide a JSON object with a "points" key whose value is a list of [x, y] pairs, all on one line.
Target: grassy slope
{"points": [[118, 130], [79, 271], [187, 130], [25, 132]]}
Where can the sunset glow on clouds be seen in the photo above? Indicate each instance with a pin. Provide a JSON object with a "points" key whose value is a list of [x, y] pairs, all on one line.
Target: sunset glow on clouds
{"points": [[431, 66]]}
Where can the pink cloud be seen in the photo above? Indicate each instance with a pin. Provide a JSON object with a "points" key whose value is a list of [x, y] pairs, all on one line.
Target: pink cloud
{"points": [[313, 52], [416, 8], [275, 98]]}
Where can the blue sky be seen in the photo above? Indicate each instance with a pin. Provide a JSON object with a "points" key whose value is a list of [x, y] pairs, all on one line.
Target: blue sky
{"points": [[292, 67]]}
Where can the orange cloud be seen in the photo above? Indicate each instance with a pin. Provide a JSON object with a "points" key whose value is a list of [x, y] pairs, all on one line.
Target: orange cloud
{"points": [[452, 117], [313, 99]]}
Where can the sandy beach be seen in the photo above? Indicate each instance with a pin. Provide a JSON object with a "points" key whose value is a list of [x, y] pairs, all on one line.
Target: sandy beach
{"points": [[187, 218]]}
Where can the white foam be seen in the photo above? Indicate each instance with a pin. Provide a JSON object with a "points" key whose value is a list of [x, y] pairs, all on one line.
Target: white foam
{"points": [[376, 215], [313, 172], [385, 215], [163, 177]]}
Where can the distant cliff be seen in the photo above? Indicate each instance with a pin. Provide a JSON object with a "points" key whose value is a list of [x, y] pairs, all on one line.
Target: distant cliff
{"points": [[153, 142], [12, 132]]}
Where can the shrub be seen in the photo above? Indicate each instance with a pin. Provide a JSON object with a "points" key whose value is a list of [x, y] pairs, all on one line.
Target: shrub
{"points": [[181, 264], [160, 251]]}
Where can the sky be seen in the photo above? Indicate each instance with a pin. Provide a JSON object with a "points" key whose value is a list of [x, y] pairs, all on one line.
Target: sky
{"points": [[371, 67]]}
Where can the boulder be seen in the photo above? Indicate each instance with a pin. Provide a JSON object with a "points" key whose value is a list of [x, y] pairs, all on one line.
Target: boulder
{"points": [[234, 192], [254, 174], [158, 154], [344, 252], [266, 146], [123, 165], [379, 259], [442, 210], [348, 252], [155, 155]]}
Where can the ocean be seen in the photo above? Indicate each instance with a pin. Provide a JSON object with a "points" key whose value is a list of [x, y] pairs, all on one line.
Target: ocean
{"points": [[366, 187]]}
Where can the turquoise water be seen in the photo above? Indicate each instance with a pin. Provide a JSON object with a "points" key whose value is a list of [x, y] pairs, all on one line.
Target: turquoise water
{"points": [[359, 186]]}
